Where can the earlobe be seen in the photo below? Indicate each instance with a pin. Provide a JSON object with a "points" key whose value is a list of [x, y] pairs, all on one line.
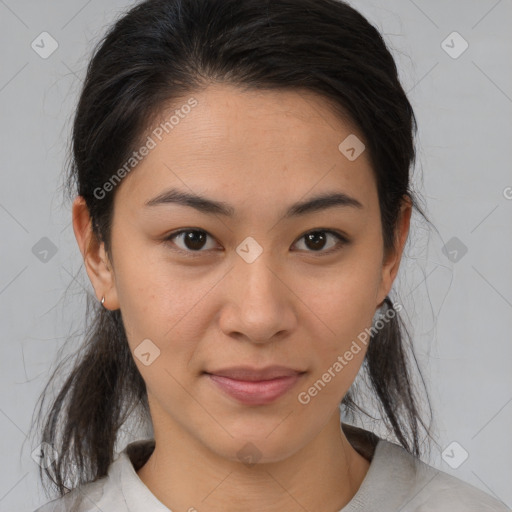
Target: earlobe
{"points": [[93, 253]]}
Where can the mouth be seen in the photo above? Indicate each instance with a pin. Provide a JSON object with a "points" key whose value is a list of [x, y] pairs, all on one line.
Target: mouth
{"points": [[252, 386], [250, 374]]}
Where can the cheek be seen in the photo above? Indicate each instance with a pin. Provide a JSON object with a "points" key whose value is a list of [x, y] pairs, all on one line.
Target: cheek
{"points": [[339, 341], [148, 307], [172, 308], [342, 311], [346, 300]]}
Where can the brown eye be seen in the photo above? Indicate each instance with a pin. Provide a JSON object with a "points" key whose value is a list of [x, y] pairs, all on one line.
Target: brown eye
{"points": [[316, 241], [196, 241], [192, 240]]}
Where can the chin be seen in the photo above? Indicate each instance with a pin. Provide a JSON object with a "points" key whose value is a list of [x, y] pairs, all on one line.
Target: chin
{"points": [[256, 447]]}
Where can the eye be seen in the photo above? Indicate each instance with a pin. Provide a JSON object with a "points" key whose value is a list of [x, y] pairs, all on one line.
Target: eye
{"points": [[192, 239], [316, 240]]}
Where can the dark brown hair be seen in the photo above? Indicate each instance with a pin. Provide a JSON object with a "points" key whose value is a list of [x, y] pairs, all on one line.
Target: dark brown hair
{"points": [[162, 50]]}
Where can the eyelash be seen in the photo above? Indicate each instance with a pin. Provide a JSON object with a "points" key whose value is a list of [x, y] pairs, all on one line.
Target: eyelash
{"points": [[343, 240]]}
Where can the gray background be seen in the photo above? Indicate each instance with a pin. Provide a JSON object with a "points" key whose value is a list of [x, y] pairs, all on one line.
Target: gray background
{"points": [[459, 304]]}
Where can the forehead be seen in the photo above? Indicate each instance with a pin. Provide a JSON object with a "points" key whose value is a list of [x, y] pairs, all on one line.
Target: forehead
{"points": [[248, 142]]}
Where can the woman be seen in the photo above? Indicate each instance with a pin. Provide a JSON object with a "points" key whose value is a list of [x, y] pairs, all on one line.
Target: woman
{"points": [[242, 204]]}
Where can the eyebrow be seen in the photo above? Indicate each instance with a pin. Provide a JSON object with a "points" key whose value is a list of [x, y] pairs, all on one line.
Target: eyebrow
{"points": [[212, 207]]}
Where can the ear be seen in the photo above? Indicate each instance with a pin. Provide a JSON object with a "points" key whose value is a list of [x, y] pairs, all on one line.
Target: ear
{"points": [[392, 259], [96, 261]]}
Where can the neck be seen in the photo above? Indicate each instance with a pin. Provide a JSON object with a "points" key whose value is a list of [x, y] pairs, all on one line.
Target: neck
{"points": [[185, 475]]}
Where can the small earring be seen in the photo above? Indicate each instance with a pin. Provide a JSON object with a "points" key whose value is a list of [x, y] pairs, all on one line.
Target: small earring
{"points": [[103, 299]]}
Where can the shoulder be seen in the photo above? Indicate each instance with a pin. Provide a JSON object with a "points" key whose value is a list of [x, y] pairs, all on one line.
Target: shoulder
{"points": [[86, 498], [444, 492], [102, 494], [432, 490], [111, 492]]}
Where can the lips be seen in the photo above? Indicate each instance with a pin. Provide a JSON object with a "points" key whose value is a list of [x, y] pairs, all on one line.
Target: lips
{"points": [[251, 386], [248, 374]]}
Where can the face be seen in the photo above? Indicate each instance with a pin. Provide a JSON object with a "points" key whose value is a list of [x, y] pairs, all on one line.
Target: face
{"points": [[250, 281]]}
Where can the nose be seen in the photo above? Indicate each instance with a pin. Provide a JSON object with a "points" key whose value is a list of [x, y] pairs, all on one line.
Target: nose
{"points": [[259, 304]]}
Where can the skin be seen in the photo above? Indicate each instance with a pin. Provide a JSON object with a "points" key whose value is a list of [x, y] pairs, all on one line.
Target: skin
{"points": [[294, 305]]}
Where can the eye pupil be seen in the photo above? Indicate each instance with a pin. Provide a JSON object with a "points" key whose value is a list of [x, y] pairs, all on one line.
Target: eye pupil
{"points": [[318, 239], [194, 240]]}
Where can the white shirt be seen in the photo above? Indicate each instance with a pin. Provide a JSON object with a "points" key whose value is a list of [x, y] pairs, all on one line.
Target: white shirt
{"points": [[395, 481]]}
